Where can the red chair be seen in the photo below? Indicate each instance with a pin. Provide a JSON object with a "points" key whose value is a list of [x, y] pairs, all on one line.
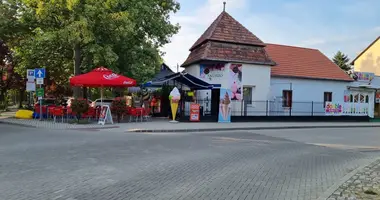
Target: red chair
{"points": [[146, 114], [134, 113], [90, 114], [58, 112]]}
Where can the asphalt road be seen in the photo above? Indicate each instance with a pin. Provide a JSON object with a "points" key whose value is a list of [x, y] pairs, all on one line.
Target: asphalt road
{"points": [[101, 165]]}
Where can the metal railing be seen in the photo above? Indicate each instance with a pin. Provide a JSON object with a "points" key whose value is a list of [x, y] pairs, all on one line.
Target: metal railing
{"points": [[262, 108]]}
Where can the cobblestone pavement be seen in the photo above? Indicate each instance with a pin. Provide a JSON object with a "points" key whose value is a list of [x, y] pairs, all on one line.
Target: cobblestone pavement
{"points": [[72, 165], [365, 185]]}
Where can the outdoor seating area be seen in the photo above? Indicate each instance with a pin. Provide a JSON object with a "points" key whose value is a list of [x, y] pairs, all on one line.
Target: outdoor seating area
{"points": [[64, 114]]}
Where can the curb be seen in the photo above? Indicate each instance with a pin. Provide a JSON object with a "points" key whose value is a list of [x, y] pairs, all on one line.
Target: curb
{"points": [[243, 128], [22, 125], [64, 128], [336, 186]]}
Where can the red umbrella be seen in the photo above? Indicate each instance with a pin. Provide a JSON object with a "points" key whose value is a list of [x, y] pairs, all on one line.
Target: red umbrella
{"points": [[102, 77]]}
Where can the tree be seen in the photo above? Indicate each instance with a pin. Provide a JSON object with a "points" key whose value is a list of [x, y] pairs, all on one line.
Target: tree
{"points": [[74, 36], [342, 61]]}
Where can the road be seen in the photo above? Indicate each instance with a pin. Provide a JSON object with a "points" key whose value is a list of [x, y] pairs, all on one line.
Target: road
{"points": [[106, 165]]}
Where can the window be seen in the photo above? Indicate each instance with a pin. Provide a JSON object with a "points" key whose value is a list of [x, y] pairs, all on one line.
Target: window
{"points": [[366, 98], [287, 96], [327, 97]]}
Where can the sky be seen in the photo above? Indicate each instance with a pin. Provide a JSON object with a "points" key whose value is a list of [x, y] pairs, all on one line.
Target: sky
{"points": [[328, 25]]}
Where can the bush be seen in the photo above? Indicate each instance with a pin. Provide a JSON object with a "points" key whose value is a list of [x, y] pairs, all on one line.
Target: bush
{"points": [[79, 106], [119, 106]]}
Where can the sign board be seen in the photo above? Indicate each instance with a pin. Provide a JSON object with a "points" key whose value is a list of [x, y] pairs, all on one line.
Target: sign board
{"points": [[194, 112], [363, 76], [40, 92], [349, 109], [30, 86], [40, 81], [105, 115], [40, 73], [30, 74]]}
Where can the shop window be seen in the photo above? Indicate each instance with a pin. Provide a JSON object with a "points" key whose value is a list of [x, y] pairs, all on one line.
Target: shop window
{"points": [[327, 97], [351, 98], [287, 96], [366, 98]]}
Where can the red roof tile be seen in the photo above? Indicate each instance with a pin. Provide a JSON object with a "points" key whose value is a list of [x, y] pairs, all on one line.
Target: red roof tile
{"points": [[226, 29], [303, 63], [227, 52]]}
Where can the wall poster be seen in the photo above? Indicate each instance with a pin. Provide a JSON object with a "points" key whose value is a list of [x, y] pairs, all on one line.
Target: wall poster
{"points": [[211, 72], [236, 87]]}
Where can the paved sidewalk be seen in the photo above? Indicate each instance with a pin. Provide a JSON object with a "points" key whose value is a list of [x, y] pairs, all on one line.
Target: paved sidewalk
{"points": [[363, 184], [163, 125]]}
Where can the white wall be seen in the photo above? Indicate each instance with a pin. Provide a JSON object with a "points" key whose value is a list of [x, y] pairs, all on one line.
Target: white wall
{"points": [[308, 94], [193, 70]]}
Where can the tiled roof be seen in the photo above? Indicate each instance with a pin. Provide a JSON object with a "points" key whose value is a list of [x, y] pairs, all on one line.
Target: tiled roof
{"points": [[226, 29], [303, 63], [227, 52]]}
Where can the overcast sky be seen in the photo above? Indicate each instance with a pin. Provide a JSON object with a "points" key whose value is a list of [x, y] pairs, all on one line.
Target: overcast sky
{"points": [[327, 25]]}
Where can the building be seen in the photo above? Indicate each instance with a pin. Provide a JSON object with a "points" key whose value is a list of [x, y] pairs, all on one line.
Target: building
{"points": [[367, 72], [265, 79]]}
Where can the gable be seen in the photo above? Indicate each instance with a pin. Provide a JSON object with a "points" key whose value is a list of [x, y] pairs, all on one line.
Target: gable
{"points": [[369, 59]]}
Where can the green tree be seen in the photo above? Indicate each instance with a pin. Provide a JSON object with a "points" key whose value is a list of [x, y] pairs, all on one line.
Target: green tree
{"points": [[342, 61], [124, 35]]}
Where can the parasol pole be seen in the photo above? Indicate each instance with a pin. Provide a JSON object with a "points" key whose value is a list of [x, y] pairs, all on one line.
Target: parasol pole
{"points": [[101, 96]]}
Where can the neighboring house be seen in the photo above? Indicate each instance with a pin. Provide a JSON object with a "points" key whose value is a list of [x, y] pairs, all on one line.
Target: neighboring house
{"points": [[305, 79], [369, 59]]}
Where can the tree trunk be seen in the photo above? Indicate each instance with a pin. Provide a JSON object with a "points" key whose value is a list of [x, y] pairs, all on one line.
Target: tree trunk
{"points": [[21, 95], [77, 63]]}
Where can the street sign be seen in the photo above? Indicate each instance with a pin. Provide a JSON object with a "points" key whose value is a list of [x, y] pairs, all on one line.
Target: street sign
{"points": [[40, 81], [30, 86], [39, 73], [30, 74], [40, 92]]}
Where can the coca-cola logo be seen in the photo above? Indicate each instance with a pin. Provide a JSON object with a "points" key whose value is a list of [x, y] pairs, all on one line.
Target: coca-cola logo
{"points": [[127, 82], [110, 76]]}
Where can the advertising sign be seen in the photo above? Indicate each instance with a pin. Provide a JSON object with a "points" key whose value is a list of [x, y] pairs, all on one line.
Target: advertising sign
{"points": [[194, 112], [363, 76], [332, 108], [236, 75], [225, 105], [105, 115], [212, 72]]}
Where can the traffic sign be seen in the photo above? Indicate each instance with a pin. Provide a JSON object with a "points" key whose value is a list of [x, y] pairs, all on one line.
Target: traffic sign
{"points": [[40, 81], [39, 73], [30, 86], [40, 92], [30, 74]]}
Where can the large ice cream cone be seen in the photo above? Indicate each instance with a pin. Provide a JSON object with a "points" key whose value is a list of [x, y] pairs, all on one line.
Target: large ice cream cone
{"points": [[174, 107]]}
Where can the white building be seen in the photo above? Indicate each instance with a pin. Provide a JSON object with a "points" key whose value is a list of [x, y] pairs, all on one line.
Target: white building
{"points": [[268, 79]]}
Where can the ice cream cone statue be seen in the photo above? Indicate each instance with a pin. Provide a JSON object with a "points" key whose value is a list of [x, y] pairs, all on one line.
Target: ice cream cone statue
{"points": [[225, 106], [174, 98]]}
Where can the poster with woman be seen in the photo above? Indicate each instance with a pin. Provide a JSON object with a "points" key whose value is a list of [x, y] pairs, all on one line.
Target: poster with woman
{"points": [[236, 87], [225, 105]]}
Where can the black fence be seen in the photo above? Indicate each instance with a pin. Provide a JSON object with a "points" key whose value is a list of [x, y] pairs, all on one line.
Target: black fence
{"points": [[259, 108], [246, 111]]}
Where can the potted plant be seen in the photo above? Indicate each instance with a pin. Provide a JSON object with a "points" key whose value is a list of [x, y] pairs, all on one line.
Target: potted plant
{"points": [[79, 106], [119, 106]]}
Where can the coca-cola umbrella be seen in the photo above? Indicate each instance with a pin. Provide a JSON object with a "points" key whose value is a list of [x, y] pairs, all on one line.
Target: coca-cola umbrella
{"points": [[101, 77]]}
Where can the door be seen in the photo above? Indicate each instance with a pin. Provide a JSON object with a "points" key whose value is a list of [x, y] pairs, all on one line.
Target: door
{"points": [[215, 98]]}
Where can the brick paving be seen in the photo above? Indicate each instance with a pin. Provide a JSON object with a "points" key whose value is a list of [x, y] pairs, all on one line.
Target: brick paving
{"points": [[364, 185], [70, 165]]}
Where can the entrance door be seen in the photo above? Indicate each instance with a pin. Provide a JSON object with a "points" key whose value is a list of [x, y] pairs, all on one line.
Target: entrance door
{"points": [[215, 98], [247, 98]]}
